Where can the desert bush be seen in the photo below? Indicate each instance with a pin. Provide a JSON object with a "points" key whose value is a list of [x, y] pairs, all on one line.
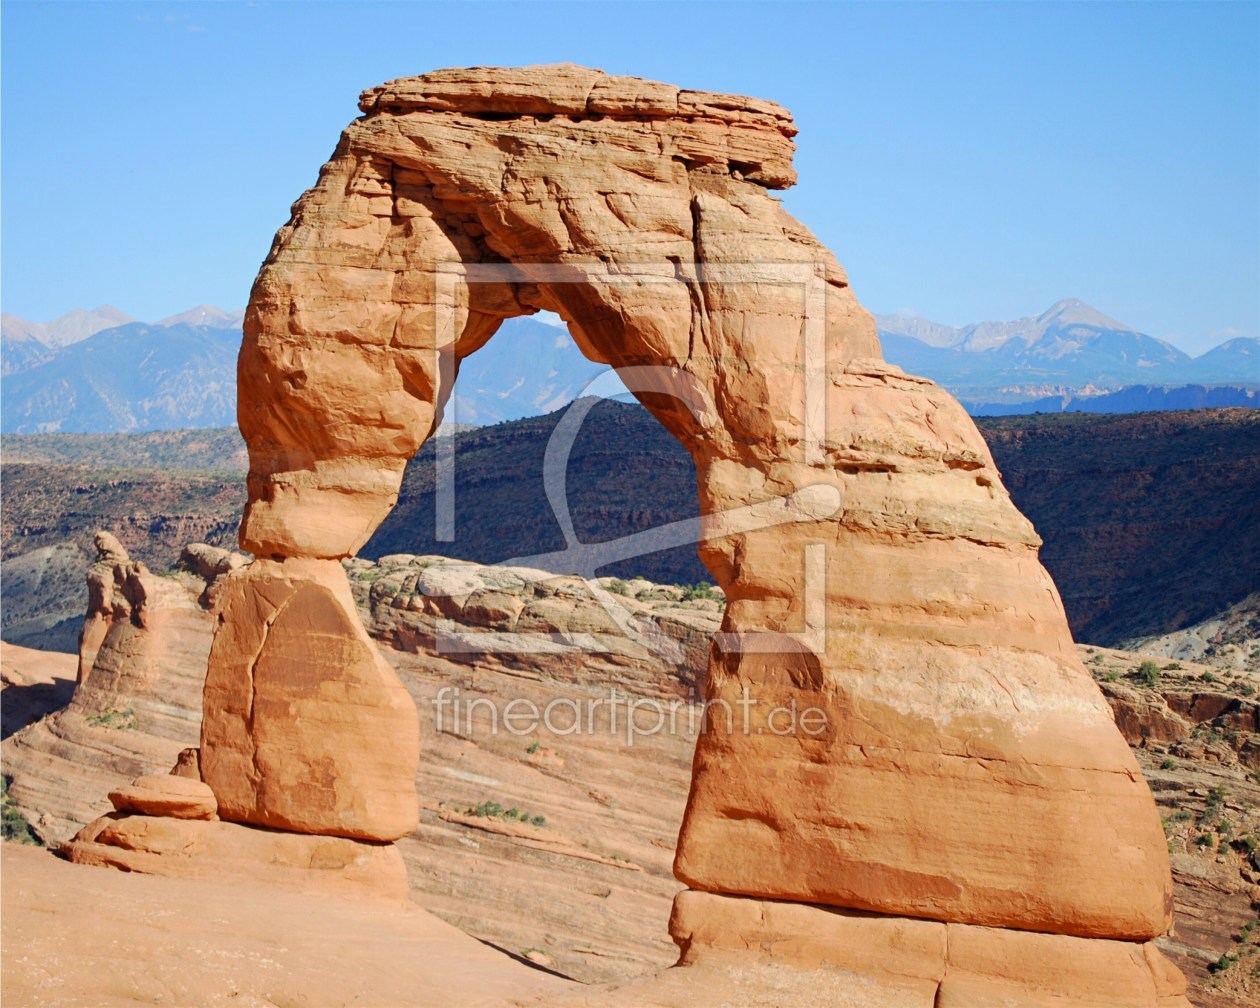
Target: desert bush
{"points": [[13, 825], [1147, 673], [699, 590], [122, 720], [493, 810]]}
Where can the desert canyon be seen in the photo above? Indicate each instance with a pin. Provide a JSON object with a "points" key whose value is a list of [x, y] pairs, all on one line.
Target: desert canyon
{"points": [[957, 816]]}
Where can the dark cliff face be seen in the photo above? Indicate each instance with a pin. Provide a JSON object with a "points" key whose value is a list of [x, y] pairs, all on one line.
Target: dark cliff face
{"points": [[625, 474], [1151, 521]]}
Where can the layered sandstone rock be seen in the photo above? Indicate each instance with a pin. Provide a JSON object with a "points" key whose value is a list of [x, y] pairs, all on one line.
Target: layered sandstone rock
{"points": [[108, 572], [929, 964], [189, 848], [636, 637], [172, 795], [305, 727], [958, 764], [137, 703]]}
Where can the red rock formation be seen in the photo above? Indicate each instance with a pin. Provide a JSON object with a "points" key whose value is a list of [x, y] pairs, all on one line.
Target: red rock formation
{"points": [[305, 727], [961, 767], [189, 848]]}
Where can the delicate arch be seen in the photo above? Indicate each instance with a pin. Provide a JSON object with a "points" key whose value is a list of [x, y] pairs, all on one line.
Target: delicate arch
{"points": [[968, 771]]}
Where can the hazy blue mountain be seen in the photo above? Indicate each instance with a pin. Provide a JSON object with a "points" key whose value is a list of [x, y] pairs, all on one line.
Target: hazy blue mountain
{"points": [[135, 377], [1070, 353], [21, 348], [205, 315], [181, 371], [69, 328], [22, 343], [1130, 399], [528, 369]]}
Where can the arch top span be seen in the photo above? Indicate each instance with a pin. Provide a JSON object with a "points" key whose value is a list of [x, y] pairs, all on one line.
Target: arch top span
{"points": [[963, 768], [637, 211]]}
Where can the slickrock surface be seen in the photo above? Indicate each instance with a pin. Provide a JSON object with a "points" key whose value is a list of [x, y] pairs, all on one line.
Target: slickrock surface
{"points": [[965, 768], [33, 684], [184, 847], [114, 939]]}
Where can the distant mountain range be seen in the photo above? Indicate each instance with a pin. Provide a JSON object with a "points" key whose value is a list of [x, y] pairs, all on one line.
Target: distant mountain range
{"points": [[101, 370], [1070, 357]]}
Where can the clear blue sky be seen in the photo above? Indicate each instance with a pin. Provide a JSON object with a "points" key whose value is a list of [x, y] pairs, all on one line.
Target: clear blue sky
{"points": [[967, 161]]}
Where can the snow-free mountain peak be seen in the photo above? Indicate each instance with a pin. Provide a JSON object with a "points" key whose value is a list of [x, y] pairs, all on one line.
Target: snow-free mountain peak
{"points": [[72, 327], [204, 315], [1070, 311]]}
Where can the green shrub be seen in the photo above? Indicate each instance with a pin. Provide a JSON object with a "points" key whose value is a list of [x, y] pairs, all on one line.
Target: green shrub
{"points": [[493, 810], [13, 825], [699, 590], [1168, 764], [122, 720], [1148, 673]]}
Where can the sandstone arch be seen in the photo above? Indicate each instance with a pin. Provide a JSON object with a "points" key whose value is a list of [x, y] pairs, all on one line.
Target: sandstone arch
{"points": [[969, 771]]}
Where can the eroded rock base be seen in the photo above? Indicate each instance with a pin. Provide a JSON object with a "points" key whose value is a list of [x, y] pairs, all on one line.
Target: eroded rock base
{"points": [[925, 964], [223, 851], [305, 728]]}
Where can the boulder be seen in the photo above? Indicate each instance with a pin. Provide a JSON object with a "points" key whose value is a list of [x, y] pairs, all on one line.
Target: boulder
{"points": [[166, 795], [189, 848], [304, 726]]}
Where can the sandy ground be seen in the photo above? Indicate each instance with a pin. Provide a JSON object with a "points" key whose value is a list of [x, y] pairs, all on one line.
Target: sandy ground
{"points": [[75, 935]]}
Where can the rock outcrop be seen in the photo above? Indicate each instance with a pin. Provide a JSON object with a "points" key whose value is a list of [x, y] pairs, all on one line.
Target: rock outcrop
{"points": [[137, 701], [637, 637], [953, 762], [179, 847]]}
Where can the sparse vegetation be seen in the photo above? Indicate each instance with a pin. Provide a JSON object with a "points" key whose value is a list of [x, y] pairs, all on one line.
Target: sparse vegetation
{"points": [[1223, 963], [121, 720], [1147, 674], [13, 826], [699, 590], [493, 810], [1168, 763]]}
